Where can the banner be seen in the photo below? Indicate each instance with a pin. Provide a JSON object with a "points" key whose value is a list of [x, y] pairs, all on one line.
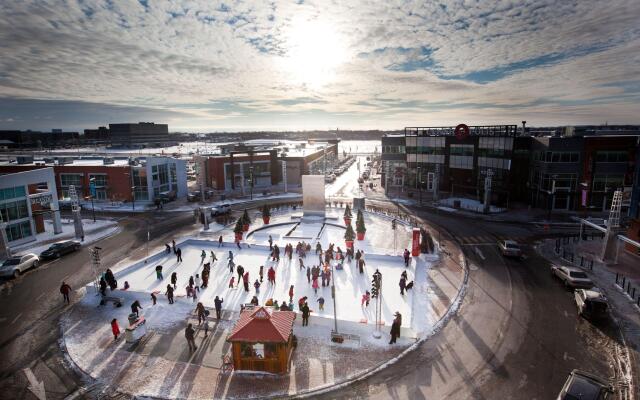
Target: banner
{"points": [[415, 246]]}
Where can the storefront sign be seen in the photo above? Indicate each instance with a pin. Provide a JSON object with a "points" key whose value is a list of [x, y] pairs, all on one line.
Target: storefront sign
{"points": [[41, 199]]}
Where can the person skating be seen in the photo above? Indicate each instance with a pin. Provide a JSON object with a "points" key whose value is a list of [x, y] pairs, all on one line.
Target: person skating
{"points": [[270, 243], [245, 281], [197, 282], [168, 248], [256, 285], [173, 246], [407, 257], [284, 307], [205, 278], [169, 294], [103, 286], [200, 311], [135, 307], [189, 334], [238, 244], [321, 303], [178, 255], [213, 257], [192, 284], [361, 265], [318, 248], [206, 328], [174, 280], [291, 293], [203, 256], [403, 285], [115, 329], [240, 271], [308, 275], [305, 314], [220, 241], [218, 304], [395, 328], [159, 272], [315, 285], [271, 275], [111, 280], [254, 300], [365, 299], [231, 282], [65, 290], [154, 299], [261, 273]]}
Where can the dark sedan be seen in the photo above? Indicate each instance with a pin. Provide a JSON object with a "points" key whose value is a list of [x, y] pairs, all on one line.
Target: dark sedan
{"points": [[59, 249]]}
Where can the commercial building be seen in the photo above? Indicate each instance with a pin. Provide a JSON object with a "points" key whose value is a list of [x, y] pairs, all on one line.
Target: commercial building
{"points": [[233, 168], [114, 179], [436, 160], [578, 171], [142, 134], [37, 139], [25, 197]]}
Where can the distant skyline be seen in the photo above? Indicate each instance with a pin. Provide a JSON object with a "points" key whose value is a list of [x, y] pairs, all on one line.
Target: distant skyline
{"points": [[205, 66]]}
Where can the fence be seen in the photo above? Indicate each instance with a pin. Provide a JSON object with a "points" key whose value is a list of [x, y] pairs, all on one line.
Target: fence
{"points": [[625, 285]]}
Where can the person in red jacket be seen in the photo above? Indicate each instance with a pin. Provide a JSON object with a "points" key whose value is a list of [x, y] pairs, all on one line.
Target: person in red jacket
{"points": [[271, 275], [115, 328], [291, 293], [65, 290], [245, 280]]}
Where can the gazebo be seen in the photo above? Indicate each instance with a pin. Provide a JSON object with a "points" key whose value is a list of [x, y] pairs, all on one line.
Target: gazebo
{"points": [[262, 340]]}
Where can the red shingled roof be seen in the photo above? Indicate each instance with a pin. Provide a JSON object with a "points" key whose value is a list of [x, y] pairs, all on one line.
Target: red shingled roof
{"points": [[263, 325]]}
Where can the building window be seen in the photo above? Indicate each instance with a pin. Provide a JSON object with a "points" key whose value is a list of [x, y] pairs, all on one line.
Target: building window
{"points": [[12, 193], [461, 150], [174, 176], [612, 156], [18, 231], [100, 181], [14, 210], [67, 180], [604, 183]]}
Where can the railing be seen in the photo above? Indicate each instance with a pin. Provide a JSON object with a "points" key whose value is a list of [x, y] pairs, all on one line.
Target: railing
{"points": [[625, 285]]}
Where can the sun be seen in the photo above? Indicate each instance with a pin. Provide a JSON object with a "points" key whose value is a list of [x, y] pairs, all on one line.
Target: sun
{"points": [[313, 52]]}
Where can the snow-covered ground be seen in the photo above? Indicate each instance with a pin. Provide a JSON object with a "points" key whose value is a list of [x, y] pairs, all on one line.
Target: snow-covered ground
{"points": [[92, 232], [469, 204]]}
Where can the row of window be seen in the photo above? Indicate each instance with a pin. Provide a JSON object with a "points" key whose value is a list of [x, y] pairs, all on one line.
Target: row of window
{"points": [[393, 149], [18, 231], [556, 156], [461, 150], [12, 193], [612, 156], [14, 210]]}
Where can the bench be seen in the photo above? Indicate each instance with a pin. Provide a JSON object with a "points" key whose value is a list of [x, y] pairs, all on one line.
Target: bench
{"points": [[117, 301]]}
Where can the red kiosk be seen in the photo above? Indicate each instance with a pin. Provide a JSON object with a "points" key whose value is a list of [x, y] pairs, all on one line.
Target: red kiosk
{"points": [[262, 340]]}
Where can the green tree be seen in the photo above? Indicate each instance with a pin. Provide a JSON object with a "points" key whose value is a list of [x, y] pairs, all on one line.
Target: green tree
{"points": [[360, 227], [349, 234], [347, 212]]}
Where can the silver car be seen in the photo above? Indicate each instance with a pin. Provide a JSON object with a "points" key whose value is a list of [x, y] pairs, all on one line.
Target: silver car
{"points": [[572, 277], [15, 266]]}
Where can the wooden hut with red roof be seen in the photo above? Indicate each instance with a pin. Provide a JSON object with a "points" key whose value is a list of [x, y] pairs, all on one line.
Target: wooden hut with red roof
{"points": [[262, 340]]}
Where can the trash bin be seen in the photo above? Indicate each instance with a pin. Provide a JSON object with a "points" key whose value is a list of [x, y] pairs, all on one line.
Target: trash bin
{"points": [[223, 197], [132, 318], [456, 204]]}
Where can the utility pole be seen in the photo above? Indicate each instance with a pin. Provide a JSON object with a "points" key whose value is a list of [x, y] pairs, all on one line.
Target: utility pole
{"points": [[333, 296], [75, 211], [92, 192]]}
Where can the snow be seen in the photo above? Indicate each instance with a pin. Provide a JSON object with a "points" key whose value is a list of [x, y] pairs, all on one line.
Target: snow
{"points": [[93, 231], [470, 204]]}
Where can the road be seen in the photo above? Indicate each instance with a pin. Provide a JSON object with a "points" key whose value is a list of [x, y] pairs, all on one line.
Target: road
{"points": [[516, 335], [32, 304]]}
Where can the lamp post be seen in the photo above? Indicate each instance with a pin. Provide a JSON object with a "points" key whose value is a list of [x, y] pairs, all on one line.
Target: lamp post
{"points": [[418, 176], [133, 197], [552, 193], [333, 296], [251, 181], [92, 190]]}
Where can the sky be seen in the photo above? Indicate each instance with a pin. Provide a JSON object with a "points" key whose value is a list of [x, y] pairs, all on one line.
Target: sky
{"points": [[205, 66]]}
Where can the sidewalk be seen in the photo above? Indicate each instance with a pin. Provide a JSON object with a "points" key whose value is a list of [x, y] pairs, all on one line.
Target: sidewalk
{"points": [[623, 307]]}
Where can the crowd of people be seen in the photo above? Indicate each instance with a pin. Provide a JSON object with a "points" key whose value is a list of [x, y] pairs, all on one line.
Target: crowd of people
{"points": [[318, 274]]}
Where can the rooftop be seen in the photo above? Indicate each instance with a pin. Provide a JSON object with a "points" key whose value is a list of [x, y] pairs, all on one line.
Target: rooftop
{"points": [[263, 324], [74, 162]]}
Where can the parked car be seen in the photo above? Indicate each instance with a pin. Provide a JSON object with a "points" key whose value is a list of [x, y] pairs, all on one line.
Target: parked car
{"points": [[584, 386], [591, 303], [510, 248], [329, 178], [59, 249], [15, 266], [220, 210], [166, 197], [572, 277], [194, 196]]}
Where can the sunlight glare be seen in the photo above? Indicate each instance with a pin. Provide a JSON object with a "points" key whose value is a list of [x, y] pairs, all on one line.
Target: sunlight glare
{"points": [[314, 50]]}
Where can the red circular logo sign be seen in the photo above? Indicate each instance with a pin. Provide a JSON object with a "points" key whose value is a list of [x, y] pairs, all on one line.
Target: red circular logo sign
{"points": [[462, 131]]}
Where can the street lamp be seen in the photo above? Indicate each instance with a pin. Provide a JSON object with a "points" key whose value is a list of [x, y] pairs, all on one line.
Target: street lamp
{"points": [[92, 190], [133, 197], [251, 180]]}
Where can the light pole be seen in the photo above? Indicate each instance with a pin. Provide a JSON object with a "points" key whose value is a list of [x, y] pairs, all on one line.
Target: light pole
{"points": [[92, 190], [251, 181], [333, 296], [418, 176], [552, 193], [133, 197]]}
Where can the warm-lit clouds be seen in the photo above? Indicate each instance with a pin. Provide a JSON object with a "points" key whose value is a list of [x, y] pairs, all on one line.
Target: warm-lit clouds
{"points": [[203, 65]]}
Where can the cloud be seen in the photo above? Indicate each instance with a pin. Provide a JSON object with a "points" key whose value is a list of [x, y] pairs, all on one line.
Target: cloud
{"points": [[212, 65]]}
